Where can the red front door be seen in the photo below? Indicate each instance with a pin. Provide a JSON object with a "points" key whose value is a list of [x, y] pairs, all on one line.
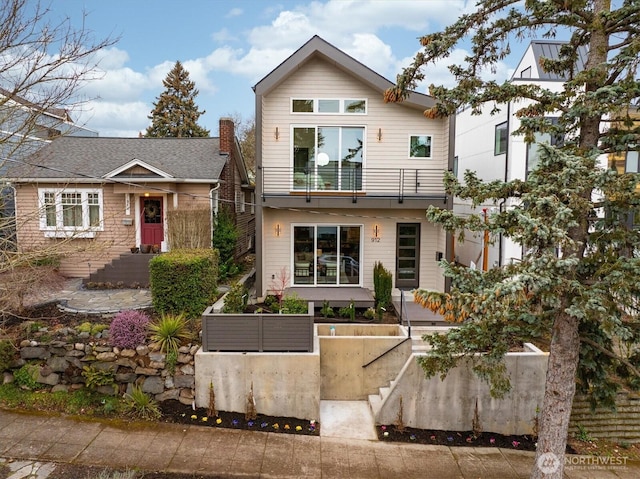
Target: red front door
{"points": [[151, 226]]}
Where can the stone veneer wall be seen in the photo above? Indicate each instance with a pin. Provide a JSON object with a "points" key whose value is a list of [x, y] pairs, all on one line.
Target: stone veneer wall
{"points": [[60, 364], [623, 424]]}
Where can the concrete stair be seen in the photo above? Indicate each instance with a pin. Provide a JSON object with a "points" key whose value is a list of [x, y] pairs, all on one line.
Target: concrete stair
{"points": [[376, 400], [129, 268]]}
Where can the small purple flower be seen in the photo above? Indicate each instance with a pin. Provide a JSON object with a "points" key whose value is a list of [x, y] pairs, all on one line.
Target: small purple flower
{"points": [[264, 424], [235, 422], [450, 438], [250, 424]]}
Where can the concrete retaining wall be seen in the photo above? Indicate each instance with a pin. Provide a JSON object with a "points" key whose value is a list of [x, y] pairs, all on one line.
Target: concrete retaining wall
{"points": [[450, 403], [284, 384], [343, 356]]}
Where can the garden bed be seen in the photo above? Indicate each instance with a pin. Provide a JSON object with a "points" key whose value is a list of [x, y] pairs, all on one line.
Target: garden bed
{"points": [[176, 412]]}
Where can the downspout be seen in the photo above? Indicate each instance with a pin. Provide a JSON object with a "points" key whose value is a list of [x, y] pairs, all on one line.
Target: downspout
{"points": [[211, 209], [506, 178]]}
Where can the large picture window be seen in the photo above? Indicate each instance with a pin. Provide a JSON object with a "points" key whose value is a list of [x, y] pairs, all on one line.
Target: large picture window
{"points": [[328, 158], [66, 213], [326, 255]]}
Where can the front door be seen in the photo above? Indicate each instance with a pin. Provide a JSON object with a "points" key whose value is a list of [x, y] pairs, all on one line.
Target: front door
{"points": [[151, 225], [408, 255]]}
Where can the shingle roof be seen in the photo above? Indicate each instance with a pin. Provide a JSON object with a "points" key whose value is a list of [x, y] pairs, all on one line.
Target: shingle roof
{"points": [[83, 158]]}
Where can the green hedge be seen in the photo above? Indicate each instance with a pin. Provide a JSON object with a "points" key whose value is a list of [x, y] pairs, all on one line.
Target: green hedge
{"points": [[184, 281]]}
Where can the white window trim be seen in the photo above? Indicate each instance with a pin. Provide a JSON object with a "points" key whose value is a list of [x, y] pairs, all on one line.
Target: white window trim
{"points": [[239, 201], [61, 231], [419, 157], [340, 108]]}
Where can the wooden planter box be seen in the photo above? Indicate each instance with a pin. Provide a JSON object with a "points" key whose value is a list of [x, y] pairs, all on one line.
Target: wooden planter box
{"points": [[257, 332]]}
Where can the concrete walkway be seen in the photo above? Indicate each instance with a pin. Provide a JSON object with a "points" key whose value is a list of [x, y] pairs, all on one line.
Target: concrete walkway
{"points": [[231, 453]]}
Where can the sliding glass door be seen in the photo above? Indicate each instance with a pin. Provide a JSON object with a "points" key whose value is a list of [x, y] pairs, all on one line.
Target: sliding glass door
{"points": [[326, 255]]}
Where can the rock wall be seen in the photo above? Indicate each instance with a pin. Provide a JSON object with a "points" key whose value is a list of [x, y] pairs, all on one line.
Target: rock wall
{"points": [[622, 425], [59, 363]]}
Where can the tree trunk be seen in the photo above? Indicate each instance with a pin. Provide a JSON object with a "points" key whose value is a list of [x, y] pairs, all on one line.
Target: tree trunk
{"points": [[558, 399]]}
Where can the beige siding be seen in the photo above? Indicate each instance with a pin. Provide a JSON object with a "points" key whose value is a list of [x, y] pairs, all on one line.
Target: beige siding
{"points": [[318, 79], [85, 256], [81, 256], [277, 249]]}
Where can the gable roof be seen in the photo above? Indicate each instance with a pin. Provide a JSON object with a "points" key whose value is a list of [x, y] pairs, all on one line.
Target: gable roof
{"points": [[550, 49], [318, 47], [85, 159]]}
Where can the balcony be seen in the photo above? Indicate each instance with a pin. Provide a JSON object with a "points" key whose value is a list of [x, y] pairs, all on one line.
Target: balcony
{"points": [[355, 184]]}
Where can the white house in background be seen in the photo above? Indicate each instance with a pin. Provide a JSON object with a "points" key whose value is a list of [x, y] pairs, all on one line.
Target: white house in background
{"points": [[484, 144], [343, 178]]}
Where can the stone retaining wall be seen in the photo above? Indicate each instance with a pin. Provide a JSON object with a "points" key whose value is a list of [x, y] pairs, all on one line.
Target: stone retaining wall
{"points": [[620, 425], [60, 362]]}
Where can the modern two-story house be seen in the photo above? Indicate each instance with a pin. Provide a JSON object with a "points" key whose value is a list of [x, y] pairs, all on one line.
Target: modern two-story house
{"points": [[90, 200], [344, 179], [484, 143]]}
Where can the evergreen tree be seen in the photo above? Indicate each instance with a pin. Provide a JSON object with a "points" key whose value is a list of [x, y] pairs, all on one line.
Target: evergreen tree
{"points": [[575, 286], [175, 114]]}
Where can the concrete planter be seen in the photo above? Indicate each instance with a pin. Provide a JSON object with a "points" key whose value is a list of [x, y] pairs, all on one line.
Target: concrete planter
{"points": [[257, 332]]}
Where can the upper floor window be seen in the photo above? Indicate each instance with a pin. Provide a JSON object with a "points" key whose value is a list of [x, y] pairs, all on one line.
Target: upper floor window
{"points": [[328, 157], [420, 146], [72, 212], [239, 201], [533, 149], [336, 106], [500, 146], [631, 162], [526, 73]]}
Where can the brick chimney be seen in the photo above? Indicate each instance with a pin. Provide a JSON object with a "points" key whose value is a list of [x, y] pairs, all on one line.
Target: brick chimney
{"points": [[227, 135]]}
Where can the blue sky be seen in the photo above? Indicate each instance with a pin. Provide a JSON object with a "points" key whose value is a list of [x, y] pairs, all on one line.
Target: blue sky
{"points": [[228, 46]]}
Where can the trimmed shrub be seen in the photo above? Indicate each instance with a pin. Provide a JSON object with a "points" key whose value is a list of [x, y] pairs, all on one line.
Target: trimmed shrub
{"points": [[294, 304], [128, 329], [184, 281], [382, 285]]}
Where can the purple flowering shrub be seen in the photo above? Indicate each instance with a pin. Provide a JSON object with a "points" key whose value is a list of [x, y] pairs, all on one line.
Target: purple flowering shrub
{"points": [[129, 329]]}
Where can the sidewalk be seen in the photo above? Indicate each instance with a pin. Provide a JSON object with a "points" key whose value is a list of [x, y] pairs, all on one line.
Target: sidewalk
{"points": [[233, 453]]}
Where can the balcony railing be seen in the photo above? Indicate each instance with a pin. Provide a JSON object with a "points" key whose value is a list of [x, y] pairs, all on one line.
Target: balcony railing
{"points": [[357, 183]]}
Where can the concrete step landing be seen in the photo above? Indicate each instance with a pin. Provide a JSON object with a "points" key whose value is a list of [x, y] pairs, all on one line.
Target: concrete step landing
{"points": [[347, 420]]}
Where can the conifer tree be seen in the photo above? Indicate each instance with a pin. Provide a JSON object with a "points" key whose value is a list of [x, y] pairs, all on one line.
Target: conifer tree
{"points": [[176, 114], [577, 284]]}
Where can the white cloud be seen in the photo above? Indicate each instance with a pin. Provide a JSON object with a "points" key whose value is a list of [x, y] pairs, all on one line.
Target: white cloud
{"points": [[234, 12], [116, 119]]}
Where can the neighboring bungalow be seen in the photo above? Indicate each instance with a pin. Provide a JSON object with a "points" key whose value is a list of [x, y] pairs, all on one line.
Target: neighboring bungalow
{"points": [[344, 179], [484, 144], [26, 127], [96, 198]]}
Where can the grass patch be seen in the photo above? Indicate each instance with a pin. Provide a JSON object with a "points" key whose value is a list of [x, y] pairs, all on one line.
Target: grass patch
{"points": [[82, 401]]}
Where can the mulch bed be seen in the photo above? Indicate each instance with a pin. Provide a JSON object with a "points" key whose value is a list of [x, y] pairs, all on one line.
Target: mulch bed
{"points": [[176, 412]]}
